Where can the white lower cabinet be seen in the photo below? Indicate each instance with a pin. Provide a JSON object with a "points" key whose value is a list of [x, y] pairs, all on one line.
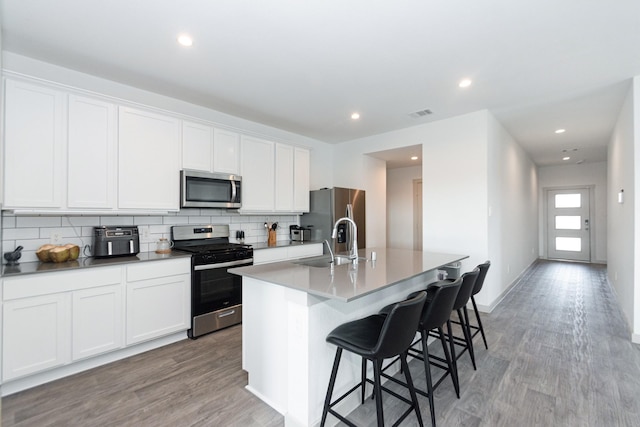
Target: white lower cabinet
{"points": [[285, 253], [50, 320], [158, 300], [97, 321], [36, 334]]}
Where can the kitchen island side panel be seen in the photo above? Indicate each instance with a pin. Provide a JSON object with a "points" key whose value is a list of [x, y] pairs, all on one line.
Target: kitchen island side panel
{"points": [[284, 344]]}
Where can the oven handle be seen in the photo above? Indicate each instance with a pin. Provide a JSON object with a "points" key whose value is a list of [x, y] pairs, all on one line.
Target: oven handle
{"points": [[224, 264]]}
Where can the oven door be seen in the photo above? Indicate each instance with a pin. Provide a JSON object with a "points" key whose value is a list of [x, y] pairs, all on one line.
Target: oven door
{"points": [[213, 288]]}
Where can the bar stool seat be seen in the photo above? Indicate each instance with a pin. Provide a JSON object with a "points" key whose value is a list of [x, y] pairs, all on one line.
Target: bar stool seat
{"points": [[377, 337]]}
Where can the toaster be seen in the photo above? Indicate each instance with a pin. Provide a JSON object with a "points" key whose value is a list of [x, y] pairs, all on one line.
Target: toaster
{"points": [[109, 241], [299, 234]]}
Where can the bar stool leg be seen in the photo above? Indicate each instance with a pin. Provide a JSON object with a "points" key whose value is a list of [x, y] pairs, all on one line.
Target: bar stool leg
{"points": [[454, 359], [447, 356], [475, 308], [363, 378], [412, 390], [378, 393], [332, 383], [427, 372], [463, 314]]}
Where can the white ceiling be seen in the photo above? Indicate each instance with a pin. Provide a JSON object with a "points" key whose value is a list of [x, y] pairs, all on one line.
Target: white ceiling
{"points": [[305, 66]]}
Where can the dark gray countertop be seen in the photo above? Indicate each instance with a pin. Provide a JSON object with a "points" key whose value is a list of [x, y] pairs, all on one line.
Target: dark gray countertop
{"points": [[48, 267]]}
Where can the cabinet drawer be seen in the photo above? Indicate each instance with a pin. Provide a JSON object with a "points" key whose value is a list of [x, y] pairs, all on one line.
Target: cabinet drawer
{"points": [[164, 268], [51, 283]]}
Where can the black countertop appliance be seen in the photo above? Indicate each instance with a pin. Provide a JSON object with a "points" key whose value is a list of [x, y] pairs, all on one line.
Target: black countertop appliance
{"points": [[109, 241]]}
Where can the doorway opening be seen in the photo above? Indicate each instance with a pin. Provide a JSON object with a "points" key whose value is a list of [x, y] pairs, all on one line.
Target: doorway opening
{"points": [[403, 168]]}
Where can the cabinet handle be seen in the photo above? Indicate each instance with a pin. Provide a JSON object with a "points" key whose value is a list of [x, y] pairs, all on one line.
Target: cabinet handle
{"points": [[228, 313]]}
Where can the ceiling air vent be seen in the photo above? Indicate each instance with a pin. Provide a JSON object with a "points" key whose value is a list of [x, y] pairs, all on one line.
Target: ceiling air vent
{"points": [[421, 113]]}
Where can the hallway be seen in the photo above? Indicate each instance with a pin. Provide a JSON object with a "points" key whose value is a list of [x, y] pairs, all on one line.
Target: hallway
{"points": [[559, 355]]}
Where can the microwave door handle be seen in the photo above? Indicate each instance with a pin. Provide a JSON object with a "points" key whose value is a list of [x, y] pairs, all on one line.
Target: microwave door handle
{"points": [[234, 191]]}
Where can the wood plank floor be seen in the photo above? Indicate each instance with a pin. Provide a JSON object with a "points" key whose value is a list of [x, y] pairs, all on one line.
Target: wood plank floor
{"points": [[559, 355]]}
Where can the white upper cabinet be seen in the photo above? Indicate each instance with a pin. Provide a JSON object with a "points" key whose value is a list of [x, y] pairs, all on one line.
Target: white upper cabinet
{"points": [[301, 166], [284, 178], [148, 160], [34, 138], [275, 177], [66, 152], [226, 151], [197, 146], [91, 153], [258, 172]]}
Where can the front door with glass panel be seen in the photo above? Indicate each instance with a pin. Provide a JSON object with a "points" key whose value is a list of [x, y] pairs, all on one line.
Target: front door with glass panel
{"points": [[568, 224]]}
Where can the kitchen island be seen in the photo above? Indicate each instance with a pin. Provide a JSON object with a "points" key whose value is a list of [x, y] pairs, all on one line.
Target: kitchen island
{"points": [[290, 307]]}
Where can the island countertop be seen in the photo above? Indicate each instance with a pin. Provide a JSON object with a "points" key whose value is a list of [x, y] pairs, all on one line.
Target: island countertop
{"points": [[347, 282]]}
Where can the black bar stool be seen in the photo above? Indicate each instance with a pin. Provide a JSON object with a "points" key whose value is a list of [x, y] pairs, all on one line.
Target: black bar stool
{"points": [[460, 306], [436, 312], [484, 267], [376, 338]]}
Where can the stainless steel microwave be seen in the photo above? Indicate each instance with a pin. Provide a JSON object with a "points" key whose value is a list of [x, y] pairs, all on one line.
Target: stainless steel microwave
{"points": [[210, 190]]}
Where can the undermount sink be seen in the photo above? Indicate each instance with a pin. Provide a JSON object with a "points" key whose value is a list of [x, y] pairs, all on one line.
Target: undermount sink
{"points": [[325, 261]]}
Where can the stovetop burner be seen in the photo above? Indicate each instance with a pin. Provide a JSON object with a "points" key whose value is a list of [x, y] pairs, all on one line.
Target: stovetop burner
{"points": [[209, 243]]}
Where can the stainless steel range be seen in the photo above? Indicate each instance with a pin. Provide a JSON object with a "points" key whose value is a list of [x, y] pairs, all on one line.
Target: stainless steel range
{"points": [[216, 295]]}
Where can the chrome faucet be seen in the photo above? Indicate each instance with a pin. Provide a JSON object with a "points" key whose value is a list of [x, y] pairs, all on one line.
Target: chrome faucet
{"points": [[354, 244], [333, 258]]}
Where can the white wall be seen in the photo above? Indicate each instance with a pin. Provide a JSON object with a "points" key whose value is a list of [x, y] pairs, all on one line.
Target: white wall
{"points": [[512, 213], [321, 153], [586, 174], [400, 205], [621, 229], [466, 161]]}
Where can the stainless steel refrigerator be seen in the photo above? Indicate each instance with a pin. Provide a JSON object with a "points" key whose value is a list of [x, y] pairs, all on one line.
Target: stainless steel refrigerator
{"points": [[326, 207]]}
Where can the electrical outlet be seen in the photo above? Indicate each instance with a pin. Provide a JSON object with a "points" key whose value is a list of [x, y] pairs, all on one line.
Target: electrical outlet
{"points": [[145, 233], [56, 237]]}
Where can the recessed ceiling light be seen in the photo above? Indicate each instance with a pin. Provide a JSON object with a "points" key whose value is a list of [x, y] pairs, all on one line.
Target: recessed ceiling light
{"points": [[561, 131], [185, 40], [355, 116], [414, 157], [566, 158], [464, 83]]}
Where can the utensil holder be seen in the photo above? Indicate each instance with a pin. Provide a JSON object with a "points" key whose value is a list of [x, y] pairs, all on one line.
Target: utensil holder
{"points": [[271, 241]]}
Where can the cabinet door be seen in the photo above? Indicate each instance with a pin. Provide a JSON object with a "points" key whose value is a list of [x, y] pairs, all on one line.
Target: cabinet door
{"points": [[284, 178], [258, 174], [301, 166], [158, 307], [33, 164], [197, 147], [149, 160], [35, 334], [98, 321], [91, 153], [226, 151]]}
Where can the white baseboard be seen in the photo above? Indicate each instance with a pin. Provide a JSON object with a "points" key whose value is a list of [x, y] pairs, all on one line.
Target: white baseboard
{"points": [[489, 308]]}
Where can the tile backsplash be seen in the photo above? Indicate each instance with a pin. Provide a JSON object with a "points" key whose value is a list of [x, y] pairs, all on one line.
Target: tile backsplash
{"points": [[33, 231]]}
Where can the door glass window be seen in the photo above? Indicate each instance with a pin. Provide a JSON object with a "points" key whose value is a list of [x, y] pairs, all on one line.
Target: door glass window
{"points": [[573, 244], [568, 200], [568, 222]]}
